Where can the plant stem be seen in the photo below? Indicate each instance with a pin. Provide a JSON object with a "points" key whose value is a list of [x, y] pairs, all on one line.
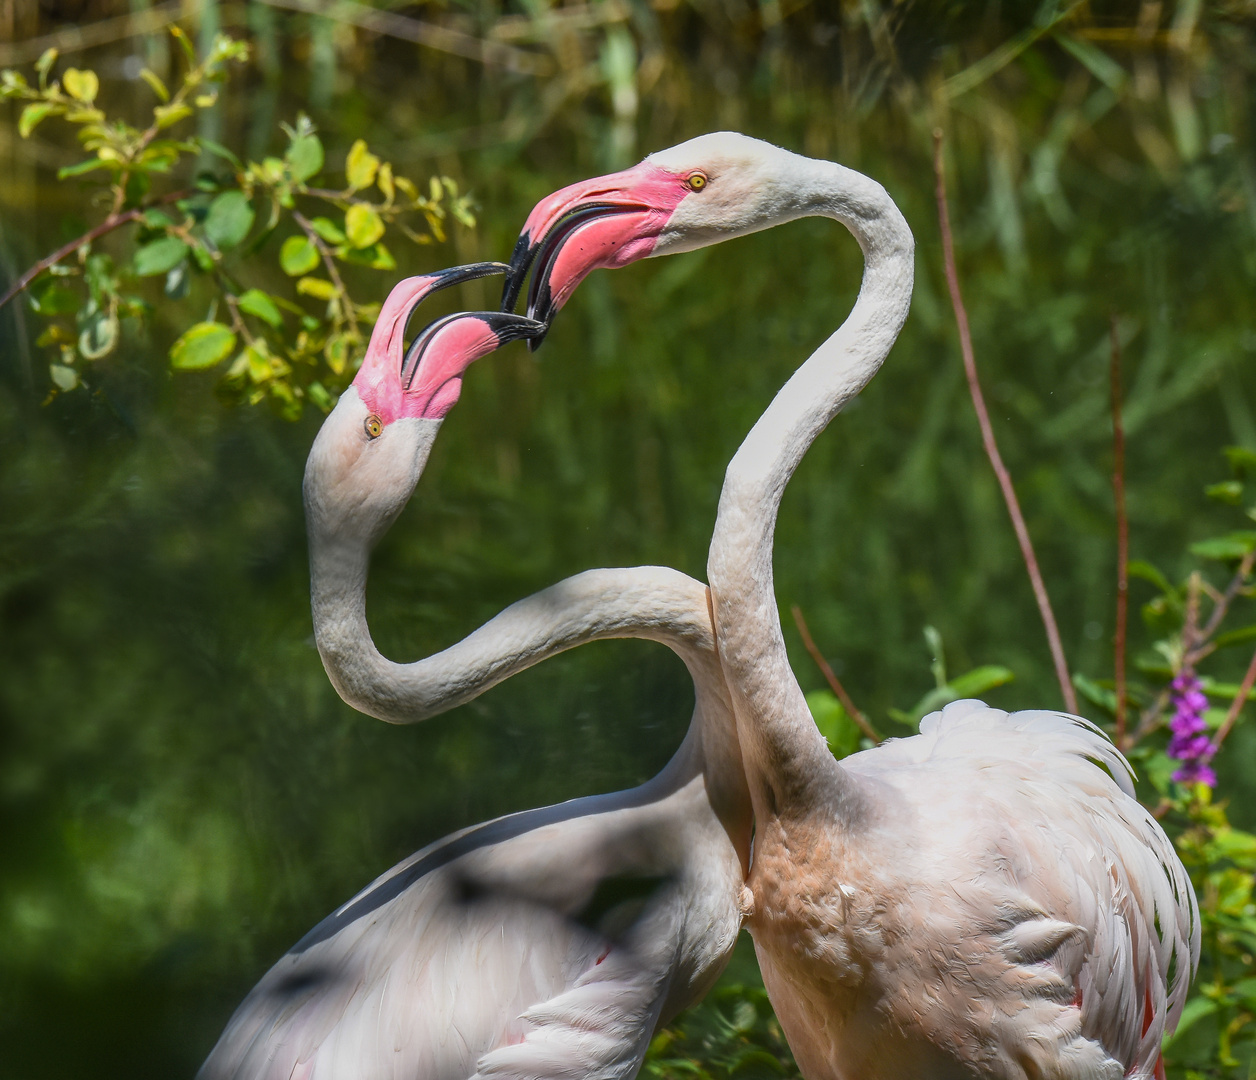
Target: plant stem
{"points": [[831, 678], [991, 446], [1223, 604], [113, 221], [1122, 536], [1236, 706], [307, 227]]}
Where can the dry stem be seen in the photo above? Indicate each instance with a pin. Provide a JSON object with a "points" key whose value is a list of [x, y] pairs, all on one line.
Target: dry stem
{"points": [[1236, 706], [988, 440], [830, 676], [113, 221]]}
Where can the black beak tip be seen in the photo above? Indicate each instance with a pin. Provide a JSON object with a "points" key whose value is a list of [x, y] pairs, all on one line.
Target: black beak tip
{"points": [[520, 261]]}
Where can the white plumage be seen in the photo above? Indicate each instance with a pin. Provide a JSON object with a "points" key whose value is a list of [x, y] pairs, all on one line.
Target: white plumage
{"points": [[547, 944], [985, 899]]}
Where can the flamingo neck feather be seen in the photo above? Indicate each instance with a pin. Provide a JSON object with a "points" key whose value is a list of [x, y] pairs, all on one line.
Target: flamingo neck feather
{"points": [[787, 758]]}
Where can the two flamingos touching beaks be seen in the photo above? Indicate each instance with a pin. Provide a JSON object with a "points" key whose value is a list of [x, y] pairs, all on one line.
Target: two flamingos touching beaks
{"points": [[983, 899]]}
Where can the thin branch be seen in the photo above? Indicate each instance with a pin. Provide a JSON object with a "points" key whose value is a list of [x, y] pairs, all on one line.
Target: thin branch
{"points": [[1122, 536], [1227, 598], [991, 447], [329, 262], [831, 678], [1236, 706], [1149, 718], [113, 221]]}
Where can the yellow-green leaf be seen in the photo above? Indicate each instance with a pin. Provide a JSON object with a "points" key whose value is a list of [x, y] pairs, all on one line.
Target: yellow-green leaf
{"points": [[337, 353], [33, 114], [81, 85], [298, 256], [166, 115], [328, 230], [316, 287], [363, 225], [202, 346], [305, 157], [384, 181], [155, 84], [361, 166], [44, 64]]}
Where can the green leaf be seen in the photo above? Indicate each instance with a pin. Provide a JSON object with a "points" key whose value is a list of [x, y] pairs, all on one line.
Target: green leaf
{"points": [[328, 230], [218, 150], [362, 225], [229, 219], [1242, 460], [44, 64], [360, 166], [384, 181], [834, 722], [185, 43], [318, 394], [82, 167], [377, 256], [35, 112], [298, 256], [167, 115], [155, 84], [1225, 548], [81, 85], [256, 302], [65, 378], [1228, 491], [159, 256], [1094, 693], [1139, 568], [99, 336], [56, 300], [305, 157], [981, 679], [1235, 637], [316, 287], [1196, 1009], [202, 346]]}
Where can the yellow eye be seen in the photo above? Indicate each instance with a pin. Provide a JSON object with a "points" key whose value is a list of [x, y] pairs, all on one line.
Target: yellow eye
{"points": [[374, 426], [697, 181]]}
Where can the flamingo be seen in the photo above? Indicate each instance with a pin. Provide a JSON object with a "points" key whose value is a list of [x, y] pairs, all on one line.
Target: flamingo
{"points": [[549, 943], [984, 899]]}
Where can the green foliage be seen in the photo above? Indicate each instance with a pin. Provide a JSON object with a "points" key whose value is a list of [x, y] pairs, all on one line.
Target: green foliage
{"points": [[732, 1035], [204, 237], [971, 684]]}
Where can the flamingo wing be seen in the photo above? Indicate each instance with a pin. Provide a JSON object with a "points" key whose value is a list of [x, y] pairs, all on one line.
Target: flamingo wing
{"points": [[505, 950]]}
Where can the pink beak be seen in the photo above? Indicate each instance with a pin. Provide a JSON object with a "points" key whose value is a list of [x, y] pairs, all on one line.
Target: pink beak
{"points": [[608, 221], [379, 381]]}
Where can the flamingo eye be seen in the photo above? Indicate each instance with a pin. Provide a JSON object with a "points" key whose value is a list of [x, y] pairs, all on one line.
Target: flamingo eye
{"points": [[697, 181], [374, 426]]}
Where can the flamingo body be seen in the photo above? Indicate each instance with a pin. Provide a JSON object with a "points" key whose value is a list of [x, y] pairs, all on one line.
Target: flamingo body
{"points": [[981, 900]]}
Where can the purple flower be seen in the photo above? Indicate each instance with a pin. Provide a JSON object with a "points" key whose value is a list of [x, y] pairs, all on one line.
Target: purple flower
{"points": [[1189, 742]]}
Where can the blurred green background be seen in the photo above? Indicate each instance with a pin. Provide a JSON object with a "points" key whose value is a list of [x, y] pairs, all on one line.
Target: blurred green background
{"points": [[182, 794]]}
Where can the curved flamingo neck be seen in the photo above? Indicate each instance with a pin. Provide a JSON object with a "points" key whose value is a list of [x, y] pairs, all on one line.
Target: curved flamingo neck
{"points": [[650, 602], [787, 760]]}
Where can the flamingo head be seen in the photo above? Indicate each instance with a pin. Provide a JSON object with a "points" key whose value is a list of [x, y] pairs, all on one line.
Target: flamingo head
{"points": [[371, 449], [702, 191]]}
